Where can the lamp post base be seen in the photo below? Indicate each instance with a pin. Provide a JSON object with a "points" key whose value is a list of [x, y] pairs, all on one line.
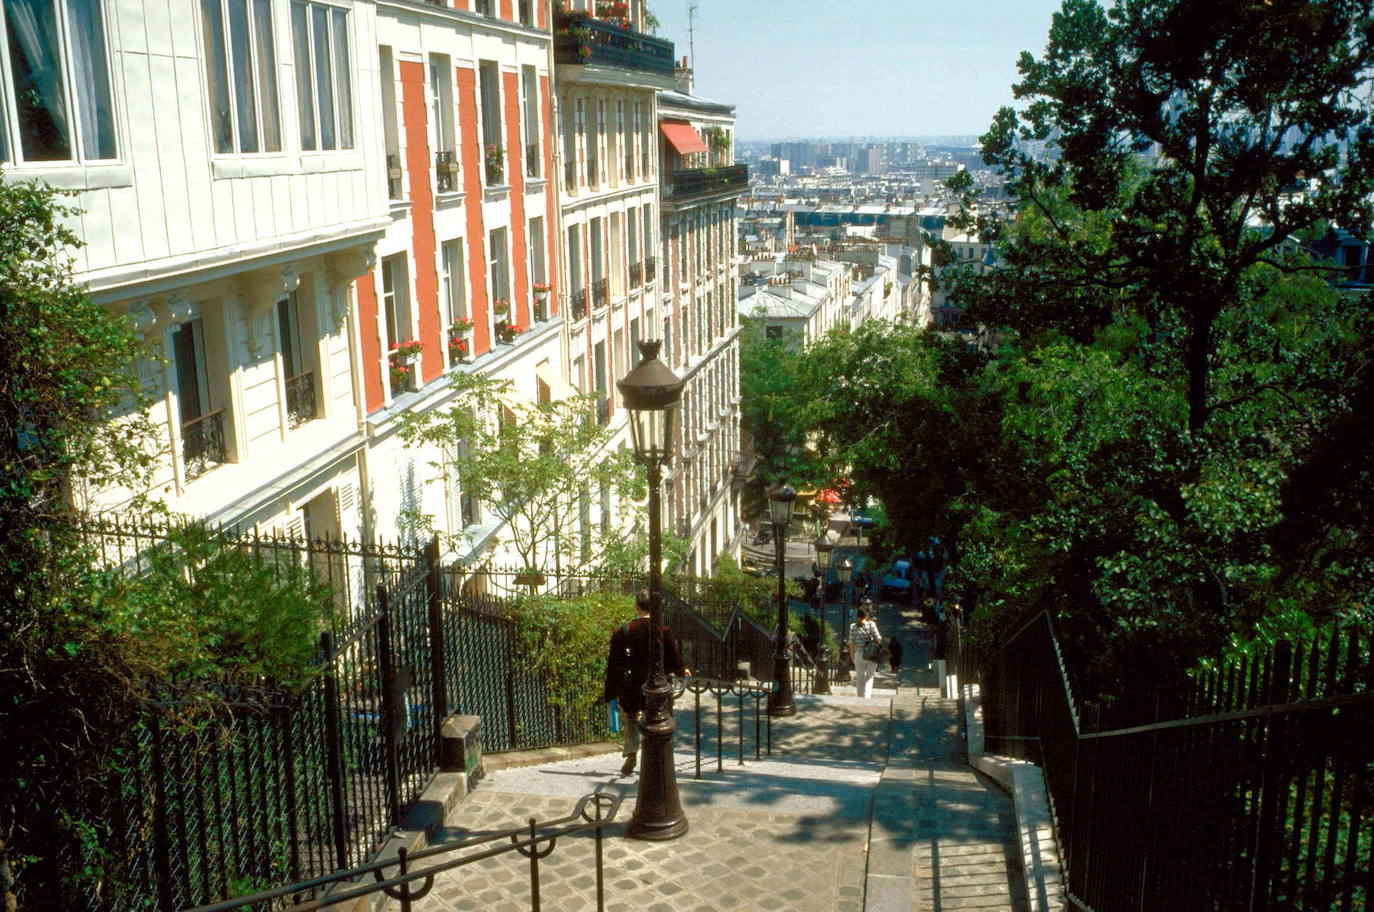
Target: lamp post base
{"points": [[780, 700], [658, 809]]}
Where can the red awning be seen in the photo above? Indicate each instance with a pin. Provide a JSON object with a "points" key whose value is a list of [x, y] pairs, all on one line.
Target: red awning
{"points": [[681, 137]]}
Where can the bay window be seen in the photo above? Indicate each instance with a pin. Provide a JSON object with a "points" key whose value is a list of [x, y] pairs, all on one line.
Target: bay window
{"points": [[241, 69], [55, 100], [324, 90]]}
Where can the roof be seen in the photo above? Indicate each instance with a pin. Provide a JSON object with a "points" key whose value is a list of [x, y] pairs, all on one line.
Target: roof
{"points": [[695, 102]]}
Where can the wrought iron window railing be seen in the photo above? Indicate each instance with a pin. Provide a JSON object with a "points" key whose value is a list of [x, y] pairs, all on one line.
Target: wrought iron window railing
{"points": [[696, 182], [636, 275], [581, 39], [394, 188], [532, 159], [202, 444], [446, 171], [601, 294], [603, 410], [579, 303], [650, 269], [300, 399]]}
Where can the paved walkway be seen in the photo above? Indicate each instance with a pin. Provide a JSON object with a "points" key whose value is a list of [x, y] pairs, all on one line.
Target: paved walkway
{"points": [[790, 832]]}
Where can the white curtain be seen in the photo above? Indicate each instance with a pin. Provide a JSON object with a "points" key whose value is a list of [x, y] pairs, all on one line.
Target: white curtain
{"points": [[90, 72], [42, 107]]}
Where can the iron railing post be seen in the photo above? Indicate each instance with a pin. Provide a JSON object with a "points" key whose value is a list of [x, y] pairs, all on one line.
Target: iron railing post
{"points": [[438, 660], [387, 660], [334, 752]]}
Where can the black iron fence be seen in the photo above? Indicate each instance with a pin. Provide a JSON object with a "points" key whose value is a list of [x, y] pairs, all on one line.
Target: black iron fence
{"points": [[583, 40], [1251, 790], [202, 444], [300, 399], [696, 182]]}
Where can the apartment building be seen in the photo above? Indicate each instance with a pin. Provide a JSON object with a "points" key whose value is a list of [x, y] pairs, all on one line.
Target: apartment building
{"points": [[461, 276], [701, 187], [225, 167], [607, 76]]}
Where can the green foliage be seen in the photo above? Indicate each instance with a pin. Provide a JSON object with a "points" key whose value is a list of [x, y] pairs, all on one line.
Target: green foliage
{"points": [[207, 611], [567, 640], [530, 464], [769, 387]]}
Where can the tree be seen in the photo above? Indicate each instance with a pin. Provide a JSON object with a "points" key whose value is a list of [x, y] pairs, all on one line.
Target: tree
{"points": [[534, 465], [1252, 125], [69, 372], [769, 403]]}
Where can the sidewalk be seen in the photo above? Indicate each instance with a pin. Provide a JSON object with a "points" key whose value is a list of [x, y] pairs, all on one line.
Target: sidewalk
{"points": [[864, 805]]}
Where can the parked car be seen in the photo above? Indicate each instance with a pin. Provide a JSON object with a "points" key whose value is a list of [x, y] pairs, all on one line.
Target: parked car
{"points": [[896, 582]]}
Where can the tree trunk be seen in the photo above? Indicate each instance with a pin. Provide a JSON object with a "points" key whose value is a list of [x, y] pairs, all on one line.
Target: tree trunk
{"points": [[1197, 360]]}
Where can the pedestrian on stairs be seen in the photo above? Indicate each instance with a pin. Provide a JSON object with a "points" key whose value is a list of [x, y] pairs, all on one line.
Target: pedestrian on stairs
{"points": [[894, 650], [863, 634], [628, 667]]}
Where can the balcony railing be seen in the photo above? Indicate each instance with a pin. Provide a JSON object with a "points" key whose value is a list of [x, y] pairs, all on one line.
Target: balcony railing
{"points": [[446, 171], [650, 270], [603, 410], [527, 13], [394, 189], [300, 399], [532, 159], [584, 40], [636, 275], [570, 175], [697, 182], [579, 303], [601, 294], [202, 443]]}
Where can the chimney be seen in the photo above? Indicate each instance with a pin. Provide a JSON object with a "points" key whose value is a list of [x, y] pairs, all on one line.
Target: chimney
{"points": [[682, 76]]}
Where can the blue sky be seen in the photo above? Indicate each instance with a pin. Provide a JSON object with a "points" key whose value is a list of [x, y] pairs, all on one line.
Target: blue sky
{"points": [[877, 67]]}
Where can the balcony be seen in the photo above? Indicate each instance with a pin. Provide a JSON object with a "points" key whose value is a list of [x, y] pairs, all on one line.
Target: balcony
{"points": [[583, 40], [636, 275], [446, 171], [697, 183], [394, 190], [601, 293], [650, 270], [202, 444], [300, 399], [579, 303]]}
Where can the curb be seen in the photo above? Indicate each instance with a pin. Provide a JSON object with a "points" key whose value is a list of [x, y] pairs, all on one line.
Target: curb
{"points": [[1025, 782]]}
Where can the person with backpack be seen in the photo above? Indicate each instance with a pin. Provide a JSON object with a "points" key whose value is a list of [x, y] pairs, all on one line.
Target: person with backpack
{"points": [[866, 649], [628, 666]]}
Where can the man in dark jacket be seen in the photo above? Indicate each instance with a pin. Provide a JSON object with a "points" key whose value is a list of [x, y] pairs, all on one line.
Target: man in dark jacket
{"points": [[629, 665]]}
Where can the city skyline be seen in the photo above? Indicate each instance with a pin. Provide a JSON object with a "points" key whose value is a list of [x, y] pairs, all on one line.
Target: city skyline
{"points": [[958, 67]]}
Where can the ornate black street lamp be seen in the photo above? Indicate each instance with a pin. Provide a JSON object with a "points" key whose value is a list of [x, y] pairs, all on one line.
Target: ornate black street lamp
{"points": [[651, 394], [780, 499], [825, 548], [844, 571]]}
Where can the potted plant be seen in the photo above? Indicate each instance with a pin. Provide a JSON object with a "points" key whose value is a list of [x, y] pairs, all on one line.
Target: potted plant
{"points": [[508, 331], [541, 291], [406, 352], [501, 307], [457, 349], [496, 163], [400, 377]]}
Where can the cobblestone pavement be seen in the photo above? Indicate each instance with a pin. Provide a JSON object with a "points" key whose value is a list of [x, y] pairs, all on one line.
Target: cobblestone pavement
{"points": [[784, 833], [789, 832]]}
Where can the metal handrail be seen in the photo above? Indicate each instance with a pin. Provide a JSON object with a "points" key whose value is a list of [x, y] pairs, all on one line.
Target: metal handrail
{"points": [[584, 40], [300, 399], [593, 811], [202, 443]]}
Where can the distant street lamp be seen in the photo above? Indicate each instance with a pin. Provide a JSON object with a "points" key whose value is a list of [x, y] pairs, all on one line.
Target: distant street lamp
{"points": [[844, 570], [780, 499], [825, 548], [651, 394]]}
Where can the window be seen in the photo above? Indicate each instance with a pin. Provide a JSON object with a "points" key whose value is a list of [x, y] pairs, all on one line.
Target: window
{"points": [[453, 289], [297, 377], [241, 67], [490, 89], [390, 132], [441, 118], [500, 273], [396, 299], [324, 93], [202, 425], [629, 144], [593, 153], [580, 129], [626, 143], [58, 93], [529, 86], [463, 510], [538, 269]]}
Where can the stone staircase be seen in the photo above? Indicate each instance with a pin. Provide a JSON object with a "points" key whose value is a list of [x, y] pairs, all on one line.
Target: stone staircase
{"points": [[864, 804]]}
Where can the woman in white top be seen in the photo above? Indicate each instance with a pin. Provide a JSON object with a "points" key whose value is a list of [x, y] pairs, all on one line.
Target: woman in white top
{"points": [[861, 633]]}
